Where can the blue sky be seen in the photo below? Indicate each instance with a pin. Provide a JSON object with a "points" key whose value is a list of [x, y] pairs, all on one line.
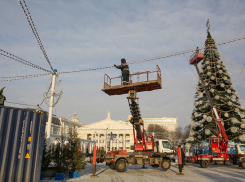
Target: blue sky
{"points": [[90, 34]]}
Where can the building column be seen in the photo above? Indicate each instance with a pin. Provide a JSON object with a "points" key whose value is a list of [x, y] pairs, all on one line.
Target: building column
{"points": [[98, 141], [84, 147], [110, 145], [124, 141], [104, 142], [89, 149], [95, 139], [117, 141]]}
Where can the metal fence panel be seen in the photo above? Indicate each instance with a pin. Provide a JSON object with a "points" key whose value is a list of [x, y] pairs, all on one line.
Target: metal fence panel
{"points": [[21, 144]]}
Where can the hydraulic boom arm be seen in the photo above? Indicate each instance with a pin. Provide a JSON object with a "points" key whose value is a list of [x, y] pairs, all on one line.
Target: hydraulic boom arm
{"points": [[140, 143], [136, 119]]}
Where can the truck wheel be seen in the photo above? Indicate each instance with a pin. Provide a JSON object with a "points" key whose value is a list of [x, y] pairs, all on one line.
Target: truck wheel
{"points": [[204, 164], [120, 166], [200, 163], [165, 165], [112, 166], [243, 165]]}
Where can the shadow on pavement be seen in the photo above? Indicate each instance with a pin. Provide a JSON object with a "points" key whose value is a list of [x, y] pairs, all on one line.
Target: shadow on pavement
{"points": [[101, 171]]}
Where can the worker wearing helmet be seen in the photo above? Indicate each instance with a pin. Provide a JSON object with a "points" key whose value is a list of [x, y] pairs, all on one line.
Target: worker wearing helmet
{"points": [[125, 71], [2, 97]]}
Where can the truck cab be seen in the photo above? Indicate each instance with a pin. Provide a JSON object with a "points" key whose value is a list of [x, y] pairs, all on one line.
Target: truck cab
{"points": [[163, 146], [240, 150]]}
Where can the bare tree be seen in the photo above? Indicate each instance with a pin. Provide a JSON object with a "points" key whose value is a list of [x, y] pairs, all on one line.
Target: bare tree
{"points": [[178, 136], [159, 131], [186, 132], [175, 136]]}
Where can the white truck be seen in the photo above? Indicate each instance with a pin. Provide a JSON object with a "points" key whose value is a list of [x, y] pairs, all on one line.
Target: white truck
{"points": [[239, 157], [164, 146]]}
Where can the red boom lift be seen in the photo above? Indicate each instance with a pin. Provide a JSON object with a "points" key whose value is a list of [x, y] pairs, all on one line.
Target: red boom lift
{"points": [[217, 146], [141, 142]]}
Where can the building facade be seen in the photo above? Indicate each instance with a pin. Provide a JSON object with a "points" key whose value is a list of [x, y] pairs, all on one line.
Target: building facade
{"points": [[114, 135], [109, 134], [171, 124]]}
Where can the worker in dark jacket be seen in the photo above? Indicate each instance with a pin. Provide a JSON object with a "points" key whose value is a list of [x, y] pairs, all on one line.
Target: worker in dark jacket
{"points": [[125, 71], [183, 158], [2, 97]]}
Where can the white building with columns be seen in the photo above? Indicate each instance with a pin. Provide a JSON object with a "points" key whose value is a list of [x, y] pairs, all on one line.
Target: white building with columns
{"points": [[109, 134]]}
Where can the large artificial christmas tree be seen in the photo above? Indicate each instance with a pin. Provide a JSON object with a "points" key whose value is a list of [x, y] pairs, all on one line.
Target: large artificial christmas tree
{"points": [[219, 84]]}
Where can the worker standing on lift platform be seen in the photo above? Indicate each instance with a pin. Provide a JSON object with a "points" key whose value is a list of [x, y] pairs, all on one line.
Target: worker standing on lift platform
{"points": [[125, 71]]}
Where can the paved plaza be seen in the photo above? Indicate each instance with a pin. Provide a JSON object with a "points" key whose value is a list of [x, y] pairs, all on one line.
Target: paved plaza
{"points": [[192, 172]]}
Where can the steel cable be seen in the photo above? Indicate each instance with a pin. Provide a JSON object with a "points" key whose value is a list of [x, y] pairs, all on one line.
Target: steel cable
{"points": [[134, 62], [22, 77], [33, 28], [16, 58]]}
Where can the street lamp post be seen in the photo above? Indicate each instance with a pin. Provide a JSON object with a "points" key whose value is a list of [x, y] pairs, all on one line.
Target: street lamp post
{"points": [[51, 107]]}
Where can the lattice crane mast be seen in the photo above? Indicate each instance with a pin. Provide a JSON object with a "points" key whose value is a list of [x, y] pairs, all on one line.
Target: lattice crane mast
{"points": [[140, 143]]}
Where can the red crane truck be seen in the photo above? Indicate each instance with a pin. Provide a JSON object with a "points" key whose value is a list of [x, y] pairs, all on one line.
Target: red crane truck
{"points": [[146, 150], [218, 146]]}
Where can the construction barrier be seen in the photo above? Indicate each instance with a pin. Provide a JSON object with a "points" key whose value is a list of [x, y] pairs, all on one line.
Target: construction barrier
{"points": [[94, 162]]}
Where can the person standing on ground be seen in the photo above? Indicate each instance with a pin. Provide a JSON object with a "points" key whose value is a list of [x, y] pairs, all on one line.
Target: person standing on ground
{"points": [[125, 71], [179, 160], [183, 158]]}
